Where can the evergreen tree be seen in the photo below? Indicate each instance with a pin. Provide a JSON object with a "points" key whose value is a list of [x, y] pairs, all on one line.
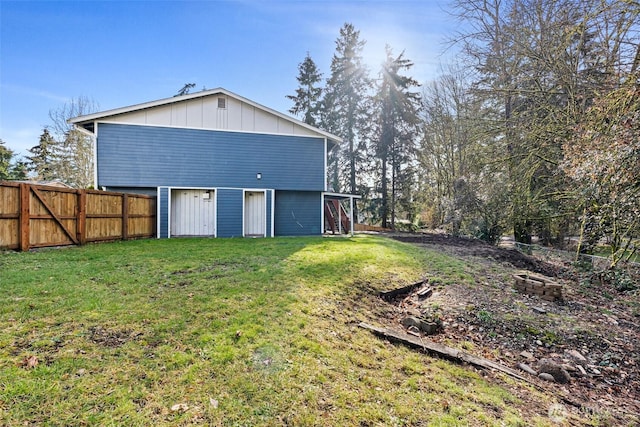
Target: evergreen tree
{"points": [[10, 167], [306, 101], [43, 162], [19, 170], [6, 155], [346, 107], [397, 111]]}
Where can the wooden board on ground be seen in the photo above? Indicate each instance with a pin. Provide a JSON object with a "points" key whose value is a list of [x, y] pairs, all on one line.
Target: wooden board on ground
{"points": [[441, 350]]}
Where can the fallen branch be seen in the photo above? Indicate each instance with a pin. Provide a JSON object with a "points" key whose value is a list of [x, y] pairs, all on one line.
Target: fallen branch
{"points": [[401, 291], [441, 350]]}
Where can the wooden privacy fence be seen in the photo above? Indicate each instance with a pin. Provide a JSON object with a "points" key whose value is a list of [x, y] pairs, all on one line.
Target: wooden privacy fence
{"points": [[367, 227], [36, 216]]}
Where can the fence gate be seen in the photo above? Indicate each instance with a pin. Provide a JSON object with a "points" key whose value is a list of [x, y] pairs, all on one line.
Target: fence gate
{"points": [[36, 216]]}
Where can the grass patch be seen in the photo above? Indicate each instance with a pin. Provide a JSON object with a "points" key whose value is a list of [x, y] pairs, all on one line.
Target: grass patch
{"points": [[239, 331]]}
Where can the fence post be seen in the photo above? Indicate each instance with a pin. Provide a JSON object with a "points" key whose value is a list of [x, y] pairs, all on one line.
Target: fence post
{"points": [[125, 216], [25, 218], [81, 217]]}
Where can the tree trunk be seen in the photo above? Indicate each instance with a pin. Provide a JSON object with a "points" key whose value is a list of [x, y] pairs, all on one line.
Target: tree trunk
{"points": [[522, 231], [385, 195], [393, 192]]}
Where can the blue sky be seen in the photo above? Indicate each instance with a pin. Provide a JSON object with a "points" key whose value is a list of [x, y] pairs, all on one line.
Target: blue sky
{"points": [[120, 53]]}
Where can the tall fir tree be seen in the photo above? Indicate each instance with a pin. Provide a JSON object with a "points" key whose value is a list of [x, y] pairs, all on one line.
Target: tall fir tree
{"points": [[11, 168], [306, 101], [397, 107], [6, 154], [346, 107], [19, 170], [43, 162]]}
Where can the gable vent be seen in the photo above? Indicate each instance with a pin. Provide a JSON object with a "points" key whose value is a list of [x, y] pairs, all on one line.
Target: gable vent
{"points": [[222, 102]]}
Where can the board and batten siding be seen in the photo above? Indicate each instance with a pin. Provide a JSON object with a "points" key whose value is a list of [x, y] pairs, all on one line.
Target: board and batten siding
{"points": [[204, 113], [298, 213], [149, 156]]}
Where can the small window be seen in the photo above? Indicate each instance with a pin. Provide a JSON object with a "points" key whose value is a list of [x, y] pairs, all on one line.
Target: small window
{"points": [[222, 102]]}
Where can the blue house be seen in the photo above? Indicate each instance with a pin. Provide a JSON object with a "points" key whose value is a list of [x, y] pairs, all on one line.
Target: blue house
{"points": [[220, 165]]}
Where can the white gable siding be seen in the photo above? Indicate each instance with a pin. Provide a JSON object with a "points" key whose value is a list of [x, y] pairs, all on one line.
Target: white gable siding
{"points": [[202, 110], [247, 117], [178, 115], [299, 130], [209, 116], [204, 113], [234, 121], [264, 122], [134, 117], [195, 113], [285, 127], [160, 114]]}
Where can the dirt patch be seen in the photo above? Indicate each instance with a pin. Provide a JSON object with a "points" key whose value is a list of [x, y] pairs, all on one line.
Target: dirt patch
{"points": [[594, 333], [110, 337], [466, 247]]}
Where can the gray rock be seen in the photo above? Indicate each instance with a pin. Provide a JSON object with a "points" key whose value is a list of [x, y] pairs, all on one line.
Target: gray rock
{"points": [[526, 355], [576, 355], [546, 377], [528, 369], [414, 312], [409, 321], [539, 310], [556, 371], [429, 328]]}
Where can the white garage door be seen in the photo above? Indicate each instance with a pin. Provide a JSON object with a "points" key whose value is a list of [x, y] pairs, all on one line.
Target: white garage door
{"points": [[193, 213]]}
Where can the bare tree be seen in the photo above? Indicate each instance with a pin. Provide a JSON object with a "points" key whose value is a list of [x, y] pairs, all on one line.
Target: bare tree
{"points": [[539, 64], [73, 148]]}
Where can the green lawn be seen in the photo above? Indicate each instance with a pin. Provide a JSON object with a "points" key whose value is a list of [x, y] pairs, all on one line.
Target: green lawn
{"points": [[226, 332]]}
